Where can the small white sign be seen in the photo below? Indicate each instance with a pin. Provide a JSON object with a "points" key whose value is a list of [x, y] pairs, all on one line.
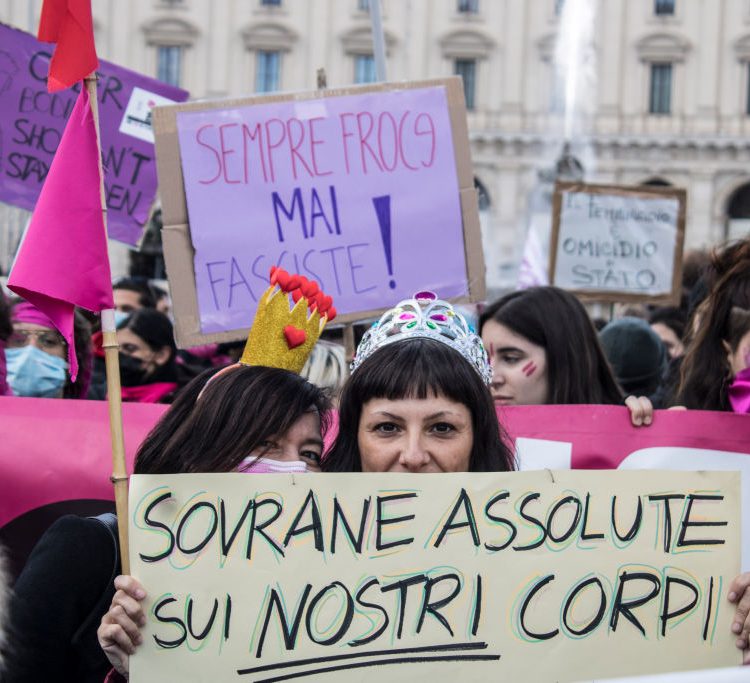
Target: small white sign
{"points": [[137, 118], [618, 243]]}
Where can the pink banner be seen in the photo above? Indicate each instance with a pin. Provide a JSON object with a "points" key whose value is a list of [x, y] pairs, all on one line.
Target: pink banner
{"points": [[59, 450]]}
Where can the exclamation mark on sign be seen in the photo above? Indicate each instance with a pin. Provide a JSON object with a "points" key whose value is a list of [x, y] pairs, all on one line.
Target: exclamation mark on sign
{"points": [[383, 212]]}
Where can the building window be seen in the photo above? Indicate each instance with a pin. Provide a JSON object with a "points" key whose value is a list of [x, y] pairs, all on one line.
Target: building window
{"points": [[270, 3], [363, 5], [364, 69], [467, 69], [468, 6], [663, 7], [169, 63], [267, 70], [660, 100], [559, 4]]}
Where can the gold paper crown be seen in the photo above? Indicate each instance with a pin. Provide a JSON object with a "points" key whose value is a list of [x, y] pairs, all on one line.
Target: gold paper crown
{"points": [[283, 336]]}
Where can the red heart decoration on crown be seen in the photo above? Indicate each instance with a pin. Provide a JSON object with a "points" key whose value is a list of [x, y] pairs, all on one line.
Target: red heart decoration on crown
{"points": [[331, 313], [323, 302], [296, 295], [310, 289], [281, 278], [294, 336], [294, 282]]}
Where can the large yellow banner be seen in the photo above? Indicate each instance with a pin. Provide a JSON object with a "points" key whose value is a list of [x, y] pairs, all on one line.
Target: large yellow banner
{"points": [[537, 576]]}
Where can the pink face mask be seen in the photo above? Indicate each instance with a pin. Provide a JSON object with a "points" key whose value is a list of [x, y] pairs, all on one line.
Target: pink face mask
{"points": [[255, 465], [739, 392]]}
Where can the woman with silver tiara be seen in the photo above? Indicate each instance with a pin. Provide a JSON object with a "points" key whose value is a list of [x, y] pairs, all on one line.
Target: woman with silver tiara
{"points": [[418, 397]]}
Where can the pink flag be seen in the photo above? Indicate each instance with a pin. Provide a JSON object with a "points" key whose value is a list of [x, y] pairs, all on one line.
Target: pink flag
{"points": [[63, 262]]}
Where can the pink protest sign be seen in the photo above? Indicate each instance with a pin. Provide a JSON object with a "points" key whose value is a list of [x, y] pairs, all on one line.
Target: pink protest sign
{"points": [[359, 193]]}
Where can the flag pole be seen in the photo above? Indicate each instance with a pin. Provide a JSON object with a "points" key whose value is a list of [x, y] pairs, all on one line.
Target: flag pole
{"points": [[112, 363]]}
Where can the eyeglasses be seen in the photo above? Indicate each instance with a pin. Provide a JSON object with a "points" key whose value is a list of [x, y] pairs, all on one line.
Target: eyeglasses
{"points": [[46, 339]]}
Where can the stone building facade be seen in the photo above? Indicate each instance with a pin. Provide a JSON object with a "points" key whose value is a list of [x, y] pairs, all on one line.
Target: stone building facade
{"points": [[672, 104]]}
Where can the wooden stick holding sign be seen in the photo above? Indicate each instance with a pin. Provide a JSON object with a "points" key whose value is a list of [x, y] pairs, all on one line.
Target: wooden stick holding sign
{"points": [[613, 243], [112, 365]]}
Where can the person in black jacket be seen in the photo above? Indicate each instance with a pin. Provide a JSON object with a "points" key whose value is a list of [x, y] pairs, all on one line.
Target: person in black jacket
{"points": [[239, 423], [66, 585]]}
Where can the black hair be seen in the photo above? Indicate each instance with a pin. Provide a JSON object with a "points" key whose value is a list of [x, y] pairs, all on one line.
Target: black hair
{"points": [[214, 431], [705, 372], [147, 296], [670, 316], [577, 369], [6, 326], [419, 368], [151, 326]]}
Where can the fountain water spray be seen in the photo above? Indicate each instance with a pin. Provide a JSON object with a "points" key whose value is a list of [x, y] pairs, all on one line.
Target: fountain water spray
{"points": [[575, 75], [575, 64]]}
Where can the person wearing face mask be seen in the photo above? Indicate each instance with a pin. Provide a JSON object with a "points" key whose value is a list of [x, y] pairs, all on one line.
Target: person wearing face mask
{"points": [[149, 372], [257, 416], [252, 419], [36, 355]]}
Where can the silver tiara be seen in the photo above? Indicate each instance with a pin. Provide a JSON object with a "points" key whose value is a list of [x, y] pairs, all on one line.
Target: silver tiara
{"points": [[426, 317]]}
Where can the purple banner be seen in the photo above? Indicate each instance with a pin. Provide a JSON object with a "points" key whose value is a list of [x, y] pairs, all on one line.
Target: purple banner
{"points": [[32, 122], [359, 193]]}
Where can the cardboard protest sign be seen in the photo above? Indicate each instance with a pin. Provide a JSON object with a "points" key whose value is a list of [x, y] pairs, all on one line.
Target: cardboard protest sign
{"points": [[366, 190], [612, 243], [47, 481], [32, 122], [471, 577]]}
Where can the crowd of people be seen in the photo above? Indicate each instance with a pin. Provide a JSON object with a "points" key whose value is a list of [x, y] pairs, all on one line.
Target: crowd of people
{"points": [[543, 344], [422, 396]]}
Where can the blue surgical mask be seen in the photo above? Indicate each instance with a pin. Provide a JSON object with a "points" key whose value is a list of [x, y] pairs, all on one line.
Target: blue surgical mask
{"points": [[32, 372], [120, 317]]}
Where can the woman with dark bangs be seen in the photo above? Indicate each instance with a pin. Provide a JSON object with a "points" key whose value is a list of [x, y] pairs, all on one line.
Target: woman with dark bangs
{"points": [[417, 399]]}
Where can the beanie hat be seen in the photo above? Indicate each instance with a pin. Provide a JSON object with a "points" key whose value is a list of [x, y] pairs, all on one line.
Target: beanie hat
{"points": [[637, 355]]}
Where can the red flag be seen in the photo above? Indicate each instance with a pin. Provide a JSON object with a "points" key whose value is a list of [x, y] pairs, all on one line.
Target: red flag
{"points": [[69, 24], [63, 261]]}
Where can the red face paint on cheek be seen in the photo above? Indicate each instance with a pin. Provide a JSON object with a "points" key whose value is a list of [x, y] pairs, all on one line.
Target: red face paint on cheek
{"points": [[529, 369]]}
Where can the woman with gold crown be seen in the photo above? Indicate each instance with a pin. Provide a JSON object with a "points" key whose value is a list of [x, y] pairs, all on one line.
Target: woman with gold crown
{"points": [[256, 416]]}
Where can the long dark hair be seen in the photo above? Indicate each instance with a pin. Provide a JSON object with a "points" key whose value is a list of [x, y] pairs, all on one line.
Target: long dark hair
{"points": [[705, 372], [238, 410], [577, 369], [419, 368]]}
